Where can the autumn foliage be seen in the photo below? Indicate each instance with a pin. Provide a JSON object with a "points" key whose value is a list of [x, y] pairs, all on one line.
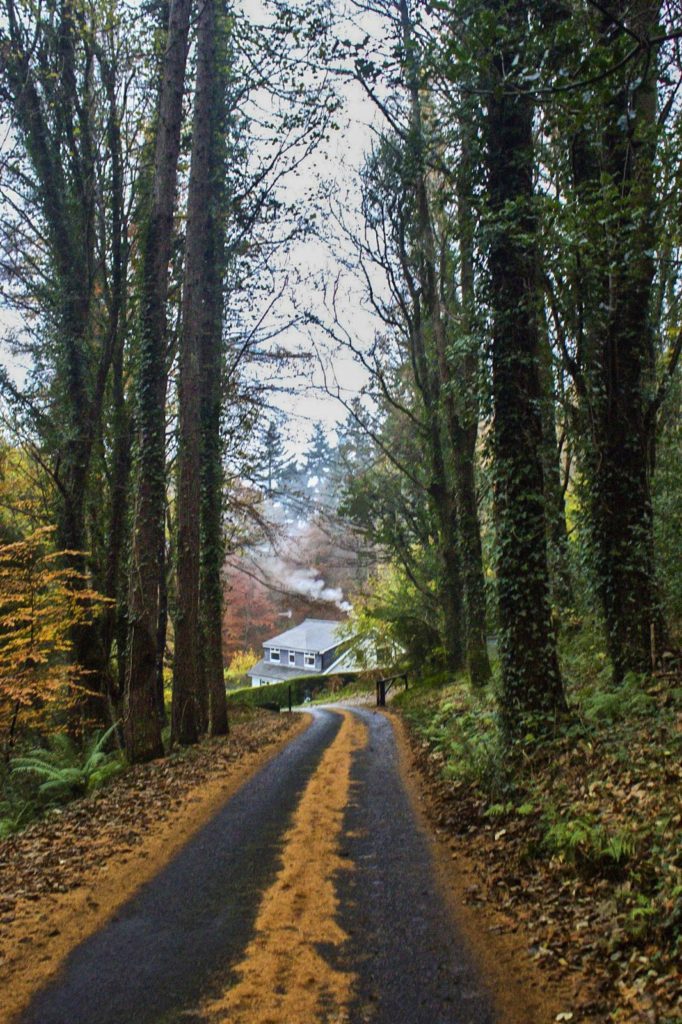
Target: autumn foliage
{"points": [[42, 600]]}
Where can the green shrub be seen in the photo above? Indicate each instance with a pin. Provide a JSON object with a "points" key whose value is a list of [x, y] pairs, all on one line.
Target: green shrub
{"points": [[270, 693], [462, 729]]}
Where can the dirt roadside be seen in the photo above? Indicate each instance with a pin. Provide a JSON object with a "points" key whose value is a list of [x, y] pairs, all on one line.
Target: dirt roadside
{"points": [[63, 877]]}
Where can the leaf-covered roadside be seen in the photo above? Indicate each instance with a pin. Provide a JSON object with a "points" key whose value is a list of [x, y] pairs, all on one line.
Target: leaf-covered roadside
{"points": [[578, 843], [72, 844]]}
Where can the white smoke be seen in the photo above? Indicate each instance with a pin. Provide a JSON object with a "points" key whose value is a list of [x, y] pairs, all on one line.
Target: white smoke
{"points": [[275, 571], [309, 584]]}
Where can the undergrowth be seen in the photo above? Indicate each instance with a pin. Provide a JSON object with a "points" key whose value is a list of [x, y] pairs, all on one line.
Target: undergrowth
{"points": [[47, 776], [596, 801]]}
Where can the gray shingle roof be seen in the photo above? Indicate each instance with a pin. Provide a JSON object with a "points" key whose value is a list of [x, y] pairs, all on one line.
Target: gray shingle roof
{"points": [[268, 670], [318, 635]]}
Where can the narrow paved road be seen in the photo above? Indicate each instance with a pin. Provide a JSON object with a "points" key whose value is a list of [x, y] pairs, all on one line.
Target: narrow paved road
{"points": [[309, 898]]}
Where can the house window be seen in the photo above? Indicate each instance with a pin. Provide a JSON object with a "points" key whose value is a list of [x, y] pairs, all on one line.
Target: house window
{"points": [[274, 654], [309, 660], [292, 657]]}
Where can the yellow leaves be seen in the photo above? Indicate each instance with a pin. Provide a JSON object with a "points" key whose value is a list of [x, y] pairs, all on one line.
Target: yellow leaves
{"points": [[42, 599]]}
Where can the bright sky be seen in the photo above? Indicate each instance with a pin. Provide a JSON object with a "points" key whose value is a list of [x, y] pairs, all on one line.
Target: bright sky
{"points": [[339, 160]]}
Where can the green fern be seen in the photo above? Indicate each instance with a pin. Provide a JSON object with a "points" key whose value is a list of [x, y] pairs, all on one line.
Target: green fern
{"points": [[629, 700], [582, 841], [64, 771]]}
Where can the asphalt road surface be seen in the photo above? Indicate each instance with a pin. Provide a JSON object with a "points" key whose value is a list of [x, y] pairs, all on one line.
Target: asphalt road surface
{"points": [[310, 897]]}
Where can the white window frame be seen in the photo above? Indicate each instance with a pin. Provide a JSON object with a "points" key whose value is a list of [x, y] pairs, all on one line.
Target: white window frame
{"points": [[292, 657], [275, 651], [309, 659]]}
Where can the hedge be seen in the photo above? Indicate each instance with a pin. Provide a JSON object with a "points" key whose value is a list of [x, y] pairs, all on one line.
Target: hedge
{"points": [[278, 693]]}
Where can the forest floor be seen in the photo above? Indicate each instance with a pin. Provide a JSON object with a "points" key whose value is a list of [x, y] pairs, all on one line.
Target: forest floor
{"points": [[576, 855], [61, 878]]}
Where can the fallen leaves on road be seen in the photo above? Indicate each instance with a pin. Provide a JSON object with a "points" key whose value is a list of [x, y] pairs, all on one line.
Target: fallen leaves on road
{"points": [[286, 974]]}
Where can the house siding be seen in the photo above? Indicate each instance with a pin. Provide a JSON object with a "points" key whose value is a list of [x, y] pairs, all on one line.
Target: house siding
{"points": [[321, 661]]}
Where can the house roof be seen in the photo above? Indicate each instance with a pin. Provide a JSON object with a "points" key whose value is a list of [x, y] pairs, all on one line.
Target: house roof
{"points": [[266, 670], [317, 635]]}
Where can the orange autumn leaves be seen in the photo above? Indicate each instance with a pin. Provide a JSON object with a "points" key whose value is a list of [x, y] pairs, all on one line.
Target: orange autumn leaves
{"points": [[42, 601]]}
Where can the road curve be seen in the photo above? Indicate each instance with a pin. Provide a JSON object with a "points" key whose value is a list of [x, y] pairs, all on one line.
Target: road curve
{"points": [[310, 897]]}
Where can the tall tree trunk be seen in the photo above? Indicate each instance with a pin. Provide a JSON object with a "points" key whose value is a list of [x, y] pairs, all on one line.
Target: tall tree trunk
{"points": [[561, 586], [463, 425], [114, 617], [623, 442], [463, 451], [531, 679], [613, 176], [451, 584], [141, 722], [216, 95], [460, 536], [189, 702], [161, 632], [199, 682]]}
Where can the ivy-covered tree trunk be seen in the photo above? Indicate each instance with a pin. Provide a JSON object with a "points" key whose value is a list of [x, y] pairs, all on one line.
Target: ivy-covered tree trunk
{"points": [[619, 380], [188, 714], [142, 728], [216, 31], [199, 681], [461, 542], [531, 680]]}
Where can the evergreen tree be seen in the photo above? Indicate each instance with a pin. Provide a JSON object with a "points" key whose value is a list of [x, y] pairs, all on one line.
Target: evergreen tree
{"points": [[317, 461], [276, 465]]}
